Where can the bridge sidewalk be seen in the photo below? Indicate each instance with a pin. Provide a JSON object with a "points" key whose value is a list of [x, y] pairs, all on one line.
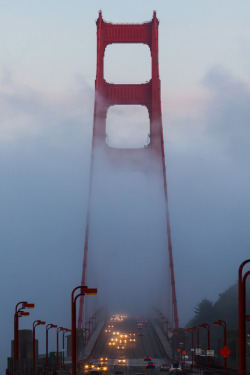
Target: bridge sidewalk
{"points": [[93, 340], [163, 340]]}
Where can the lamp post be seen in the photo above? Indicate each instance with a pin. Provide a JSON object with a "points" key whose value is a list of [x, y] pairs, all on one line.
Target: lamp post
{"points": [[223, 324], [82, 290], [57, 344], [35, 323], [64, 330], [48, 326], [205, 325], [192, 343], [196, 329], [18, 313], [242, 316], [79, 340], [184, 346]]}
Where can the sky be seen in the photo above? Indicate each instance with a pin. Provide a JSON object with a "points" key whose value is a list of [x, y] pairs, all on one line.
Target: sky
{"points": [[47, 73]]}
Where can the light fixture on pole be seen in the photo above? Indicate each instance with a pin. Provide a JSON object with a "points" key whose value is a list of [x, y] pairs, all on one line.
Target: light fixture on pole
{"points": [[35, 323]]}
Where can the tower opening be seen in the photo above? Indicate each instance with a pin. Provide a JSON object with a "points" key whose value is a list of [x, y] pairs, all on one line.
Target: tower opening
{"points": [[125, 63], [127, 126]]}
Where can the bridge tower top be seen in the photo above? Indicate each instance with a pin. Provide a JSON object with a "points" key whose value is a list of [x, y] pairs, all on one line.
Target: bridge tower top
{"points": [[146, 94], [109, 33]]}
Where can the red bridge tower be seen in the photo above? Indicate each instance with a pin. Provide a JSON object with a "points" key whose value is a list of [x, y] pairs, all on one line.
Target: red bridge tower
{"points": [[146, 94]]}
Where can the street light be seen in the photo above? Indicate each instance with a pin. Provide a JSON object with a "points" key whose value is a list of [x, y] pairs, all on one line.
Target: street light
{"points": [[205, 325], [82, 290], [48, 326], [57, 346], [19, 313], [80, 333], [64, 330], [223, 324], [35, 323], [196, 329], [192, 345]]}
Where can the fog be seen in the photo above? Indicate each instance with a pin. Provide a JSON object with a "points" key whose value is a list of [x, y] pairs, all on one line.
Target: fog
{"points": [[128, 258], [47, 72]]}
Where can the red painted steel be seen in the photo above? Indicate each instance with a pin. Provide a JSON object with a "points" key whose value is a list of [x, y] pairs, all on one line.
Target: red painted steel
{"points": [[242, 316], [146, 94]]}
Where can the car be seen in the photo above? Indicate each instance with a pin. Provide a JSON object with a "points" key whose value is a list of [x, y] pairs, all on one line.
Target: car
{"points": [[150, 364], [175, 367], [147, 358], [140, 333], [123, 341], [104, 359], [164, 367], [89, 366], [120, 347], [101, 367], [121, 361]]}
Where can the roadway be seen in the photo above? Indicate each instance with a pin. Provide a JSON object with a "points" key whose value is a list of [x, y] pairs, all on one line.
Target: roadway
{"points": [[133, 352]]}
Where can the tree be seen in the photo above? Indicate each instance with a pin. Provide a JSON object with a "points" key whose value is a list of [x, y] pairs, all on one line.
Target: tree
{"points": [[204, 313]]}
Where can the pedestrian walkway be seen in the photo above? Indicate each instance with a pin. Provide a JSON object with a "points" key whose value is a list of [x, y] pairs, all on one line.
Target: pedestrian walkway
{"points": [[163, 339], [93, 339]]}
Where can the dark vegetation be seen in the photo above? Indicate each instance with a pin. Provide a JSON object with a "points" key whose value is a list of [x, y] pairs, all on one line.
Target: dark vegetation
{"points": [[225, 308]]}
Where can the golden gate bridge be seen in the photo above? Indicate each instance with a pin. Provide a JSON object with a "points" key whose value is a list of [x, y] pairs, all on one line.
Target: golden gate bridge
{"points": [[145, 94]]}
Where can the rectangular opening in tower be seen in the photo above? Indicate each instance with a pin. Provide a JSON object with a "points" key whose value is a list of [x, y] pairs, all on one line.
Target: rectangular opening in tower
{"points": [[127, 126], [127, 63]]}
